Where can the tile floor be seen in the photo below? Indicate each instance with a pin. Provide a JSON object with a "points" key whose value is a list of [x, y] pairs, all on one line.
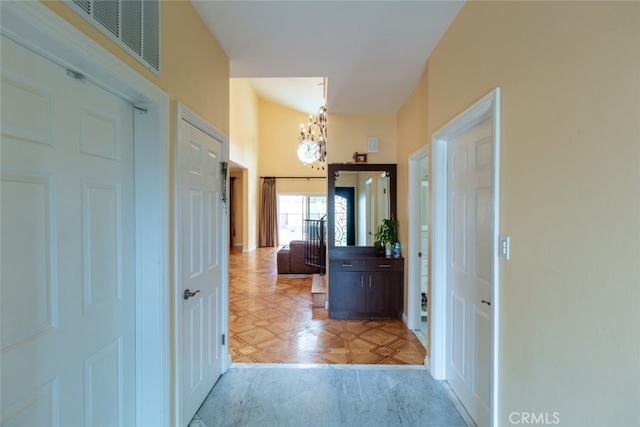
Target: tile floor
{"points": [[272, 320], [327, 395]]}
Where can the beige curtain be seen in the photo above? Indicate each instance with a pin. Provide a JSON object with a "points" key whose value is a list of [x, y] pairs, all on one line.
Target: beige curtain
{"points": [[268, 214]]}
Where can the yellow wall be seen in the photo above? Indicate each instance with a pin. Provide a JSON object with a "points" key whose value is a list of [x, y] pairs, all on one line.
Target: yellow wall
{"points": [[412, 135], [570, 160], [279, 129], [243, 151], [347, 133]]}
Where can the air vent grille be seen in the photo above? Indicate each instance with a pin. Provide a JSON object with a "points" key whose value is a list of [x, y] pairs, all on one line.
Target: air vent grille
{"points": [[108, 14], [152, 33], [133, 24], [85, 5]]}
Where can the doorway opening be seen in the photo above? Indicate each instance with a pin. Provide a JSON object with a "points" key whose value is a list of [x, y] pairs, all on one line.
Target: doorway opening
{"points": [[419, 246]]}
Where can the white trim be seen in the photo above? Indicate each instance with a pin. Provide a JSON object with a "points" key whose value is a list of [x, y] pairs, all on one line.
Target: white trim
{"points": [[38, 28], [415, 235], [438, 344], [184, 113], [486, 108], [495, 268]]}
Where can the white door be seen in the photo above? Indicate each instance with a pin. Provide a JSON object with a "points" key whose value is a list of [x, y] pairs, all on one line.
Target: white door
{"points": [[67, 281], [201, 245], [469, 261]]}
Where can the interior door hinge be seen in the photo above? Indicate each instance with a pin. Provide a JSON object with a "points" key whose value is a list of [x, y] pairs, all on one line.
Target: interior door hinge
{"points": [[224, 339], [224, 166]]}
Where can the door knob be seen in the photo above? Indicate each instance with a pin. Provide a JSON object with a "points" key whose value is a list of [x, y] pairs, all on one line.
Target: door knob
{"points": [[188, 294], [484, 301]]}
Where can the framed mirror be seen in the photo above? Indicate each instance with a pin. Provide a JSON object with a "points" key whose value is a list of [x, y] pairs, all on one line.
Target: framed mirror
{"points": [[359, 197]]}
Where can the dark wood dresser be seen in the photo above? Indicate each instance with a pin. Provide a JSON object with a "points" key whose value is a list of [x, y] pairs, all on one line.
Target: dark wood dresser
{"points": [[365, 287]]}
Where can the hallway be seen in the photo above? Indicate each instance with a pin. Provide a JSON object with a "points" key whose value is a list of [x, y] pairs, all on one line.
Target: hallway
{"points": [[272, 320]]}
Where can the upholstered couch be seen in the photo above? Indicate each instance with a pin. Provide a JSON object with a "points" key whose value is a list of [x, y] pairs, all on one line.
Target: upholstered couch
{"points": [[291, 259]]}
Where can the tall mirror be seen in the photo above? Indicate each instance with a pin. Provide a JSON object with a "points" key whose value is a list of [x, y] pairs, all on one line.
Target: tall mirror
{"points": [[359, 197]]}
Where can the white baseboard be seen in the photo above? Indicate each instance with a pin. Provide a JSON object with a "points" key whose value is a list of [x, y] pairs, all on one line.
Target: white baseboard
{"points": [[236, 245], [251, 249], [405, 320], [458, 405]]}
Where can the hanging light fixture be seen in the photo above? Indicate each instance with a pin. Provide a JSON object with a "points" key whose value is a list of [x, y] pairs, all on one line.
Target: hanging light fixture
{"points": [[311, 147], [308, 146]]}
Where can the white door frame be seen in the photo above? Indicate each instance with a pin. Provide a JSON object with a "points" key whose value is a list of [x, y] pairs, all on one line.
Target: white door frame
{"points": [[486, 108], [34, 25], [415, 233], [184, 113]]}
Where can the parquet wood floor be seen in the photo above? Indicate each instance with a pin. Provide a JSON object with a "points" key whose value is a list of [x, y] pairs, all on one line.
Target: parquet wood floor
{"points": [[272, 320]]}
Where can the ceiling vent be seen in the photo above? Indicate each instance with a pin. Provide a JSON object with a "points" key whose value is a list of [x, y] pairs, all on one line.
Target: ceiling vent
{"points": [[132, 24]]}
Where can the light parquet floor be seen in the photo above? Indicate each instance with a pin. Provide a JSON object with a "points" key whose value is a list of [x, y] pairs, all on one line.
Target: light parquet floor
{"points": [[272, 320]]}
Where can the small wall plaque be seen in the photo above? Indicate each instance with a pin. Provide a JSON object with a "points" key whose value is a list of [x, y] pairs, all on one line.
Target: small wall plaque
{"points": [[359, 158]]}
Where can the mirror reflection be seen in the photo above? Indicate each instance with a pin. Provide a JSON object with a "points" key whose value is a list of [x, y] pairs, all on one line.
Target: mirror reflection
{"points": [[361, 203]]}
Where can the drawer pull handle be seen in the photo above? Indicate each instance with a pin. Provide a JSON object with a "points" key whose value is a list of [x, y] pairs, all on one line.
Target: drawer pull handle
{"points": [[347, 265], [384, 265]]}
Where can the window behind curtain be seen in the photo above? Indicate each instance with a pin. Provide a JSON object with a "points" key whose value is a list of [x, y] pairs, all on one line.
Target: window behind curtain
{"points": [[293, 210]]}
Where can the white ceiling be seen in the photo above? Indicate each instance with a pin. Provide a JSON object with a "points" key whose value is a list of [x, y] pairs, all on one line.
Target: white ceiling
{"points": [[373, 53]]}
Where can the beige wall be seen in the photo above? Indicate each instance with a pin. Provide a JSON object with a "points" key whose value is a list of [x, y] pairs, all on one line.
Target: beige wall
{"points": [[243, 151], [348, 133], [412, 135], [570, 160], [279, 130]]}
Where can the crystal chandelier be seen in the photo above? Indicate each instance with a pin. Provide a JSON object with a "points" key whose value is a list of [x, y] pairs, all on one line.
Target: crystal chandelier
{"points": [[312, 142]]}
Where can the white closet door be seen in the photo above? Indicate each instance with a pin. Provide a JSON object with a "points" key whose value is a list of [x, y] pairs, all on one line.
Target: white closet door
{"points": [[67, 285]]}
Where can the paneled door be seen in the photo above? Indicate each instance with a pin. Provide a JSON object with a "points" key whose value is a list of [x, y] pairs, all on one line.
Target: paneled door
{"points": [[200, 270], [67, 281], [469, 261]]}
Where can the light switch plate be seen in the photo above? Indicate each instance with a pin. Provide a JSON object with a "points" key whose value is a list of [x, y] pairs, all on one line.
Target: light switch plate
{"points": [[504, 243]]}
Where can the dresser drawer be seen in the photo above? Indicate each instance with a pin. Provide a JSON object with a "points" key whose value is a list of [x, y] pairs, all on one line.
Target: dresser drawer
{"points": [[347, 264], [385, 264]]}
